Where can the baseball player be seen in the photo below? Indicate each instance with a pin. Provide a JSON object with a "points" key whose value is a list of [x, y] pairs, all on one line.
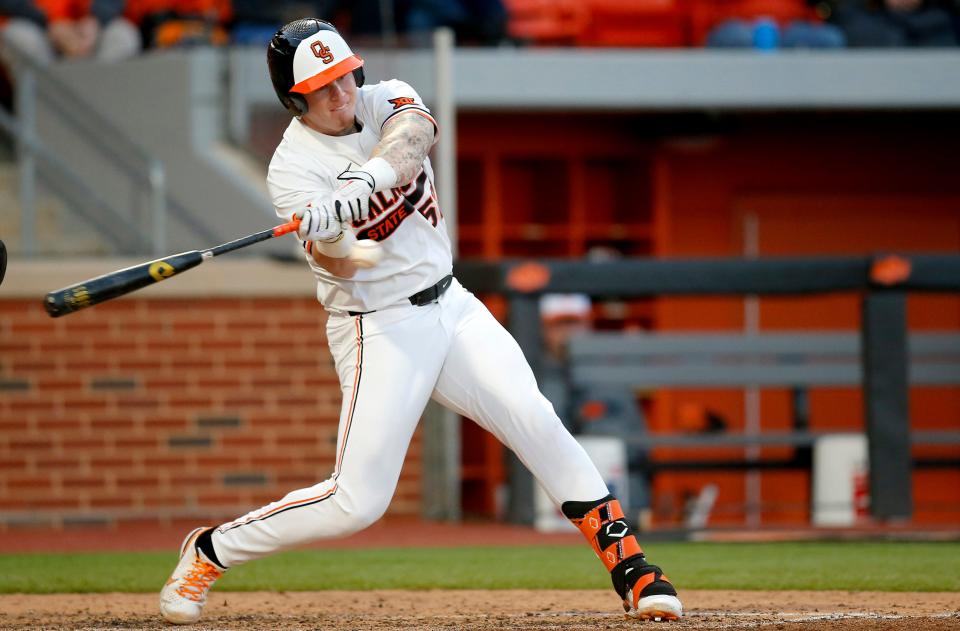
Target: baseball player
{"points": [[353, 165]]}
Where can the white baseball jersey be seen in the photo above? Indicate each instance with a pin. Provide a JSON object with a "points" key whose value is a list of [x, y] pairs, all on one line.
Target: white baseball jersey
{"points": [[406, 220]]}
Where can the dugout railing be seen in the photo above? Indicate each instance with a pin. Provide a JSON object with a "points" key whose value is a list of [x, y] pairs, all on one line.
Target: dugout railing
{"points": [[134, 224], [796, 361], [883, 282]]}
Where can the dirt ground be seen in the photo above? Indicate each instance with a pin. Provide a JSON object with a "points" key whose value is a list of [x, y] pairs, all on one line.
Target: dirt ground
{"points": [[491, 610]]}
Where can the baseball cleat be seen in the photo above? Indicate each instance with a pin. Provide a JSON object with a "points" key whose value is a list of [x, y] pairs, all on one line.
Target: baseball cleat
{"points": [[651, 595], [185, 593], [659, 608]]}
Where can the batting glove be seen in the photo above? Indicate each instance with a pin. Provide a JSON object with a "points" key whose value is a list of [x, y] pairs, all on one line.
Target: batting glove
{"points": [[317, 223], [351, 201]]}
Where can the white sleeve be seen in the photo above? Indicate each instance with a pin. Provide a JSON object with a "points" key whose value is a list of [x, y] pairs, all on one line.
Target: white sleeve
{"points": [[293, 188], [389, 98]]}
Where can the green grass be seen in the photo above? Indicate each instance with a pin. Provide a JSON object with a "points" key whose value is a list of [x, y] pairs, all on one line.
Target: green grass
{"points": [[805, 566]]}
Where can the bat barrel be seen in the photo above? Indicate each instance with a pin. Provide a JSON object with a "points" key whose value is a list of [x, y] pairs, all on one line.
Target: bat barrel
{"points": [[102, 288]]}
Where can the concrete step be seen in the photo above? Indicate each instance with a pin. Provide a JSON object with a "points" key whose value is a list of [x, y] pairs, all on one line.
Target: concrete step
{"points": [[57, 232]]}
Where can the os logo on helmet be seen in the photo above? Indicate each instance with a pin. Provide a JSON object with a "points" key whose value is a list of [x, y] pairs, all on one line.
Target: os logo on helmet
{"points": [[321, 51]]}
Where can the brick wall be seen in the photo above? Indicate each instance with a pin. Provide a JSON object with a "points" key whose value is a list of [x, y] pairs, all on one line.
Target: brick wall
{"points": [[163, 409]]}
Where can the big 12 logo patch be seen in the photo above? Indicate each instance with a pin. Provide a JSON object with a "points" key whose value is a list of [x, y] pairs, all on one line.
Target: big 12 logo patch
{"points": [[400, 101]]}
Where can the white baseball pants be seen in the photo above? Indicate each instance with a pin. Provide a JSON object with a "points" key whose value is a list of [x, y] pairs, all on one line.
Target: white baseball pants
{"points": [[390, 363]]}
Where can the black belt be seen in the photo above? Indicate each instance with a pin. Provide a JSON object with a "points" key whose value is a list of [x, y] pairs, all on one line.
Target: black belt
{"points": [[421, 298]]}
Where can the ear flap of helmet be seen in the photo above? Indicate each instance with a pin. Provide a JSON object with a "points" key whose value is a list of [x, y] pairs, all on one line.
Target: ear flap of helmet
{"points": [[297, 105]]}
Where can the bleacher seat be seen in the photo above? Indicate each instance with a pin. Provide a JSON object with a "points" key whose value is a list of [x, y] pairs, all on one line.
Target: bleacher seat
{"points": [[546, 21], [637, 23], [613, 23]]}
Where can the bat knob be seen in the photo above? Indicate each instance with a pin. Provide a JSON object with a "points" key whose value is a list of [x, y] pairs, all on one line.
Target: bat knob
{"points": [[50, 304]]}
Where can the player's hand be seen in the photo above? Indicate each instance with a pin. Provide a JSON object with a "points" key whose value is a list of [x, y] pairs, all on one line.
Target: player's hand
{"points": [[317, 223], [351, 201]]}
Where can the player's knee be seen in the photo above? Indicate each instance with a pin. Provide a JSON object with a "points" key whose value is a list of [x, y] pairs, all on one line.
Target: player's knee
{"points": [[367, 515], [361, 514]]}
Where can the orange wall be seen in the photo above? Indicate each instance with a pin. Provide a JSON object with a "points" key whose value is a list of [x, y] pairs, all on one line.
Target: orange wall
{"points": [[831, 191], [683, 184]]}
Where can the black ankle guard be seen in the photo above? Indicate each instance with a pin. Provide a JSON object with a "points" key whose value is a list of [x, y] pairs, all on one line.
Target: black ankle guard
{"points": [[626, 574]]}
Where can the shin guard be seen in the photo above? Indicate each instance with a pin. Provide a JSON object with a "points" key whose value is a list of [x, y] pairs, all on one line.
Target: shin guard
{"points": [[602, 523]]}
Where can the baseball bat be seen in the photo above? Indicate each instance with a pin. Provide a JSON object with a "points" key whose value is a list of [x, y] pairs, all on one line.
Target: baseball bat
{"points": [[102, 288]]}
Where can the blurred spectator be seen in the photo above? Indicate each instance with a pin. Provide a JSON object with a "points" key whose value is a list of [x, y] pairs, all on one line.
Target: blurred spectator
{"points": [[600, 410], [886, 23], [376, 22], [46, 30], [478, 22], [766, 34], [771, 25], [255, 21], [181, 23], [562, 316], [371, 22]]}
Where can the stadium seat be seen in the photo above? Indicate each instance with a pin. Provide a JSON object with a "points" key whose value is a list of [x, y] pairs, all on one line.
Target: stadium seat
{"points": [[546, 21], [640, 23]]}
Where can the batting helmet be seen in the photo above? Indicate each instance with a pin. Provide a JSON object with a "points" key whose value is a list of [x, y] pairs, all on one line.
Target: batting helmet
{"points": [[306, 55]]}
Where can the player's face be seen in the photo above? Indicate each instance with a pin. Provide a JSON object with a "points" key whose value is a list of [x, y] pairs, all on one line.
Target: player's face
{"points": [[330, 109]]}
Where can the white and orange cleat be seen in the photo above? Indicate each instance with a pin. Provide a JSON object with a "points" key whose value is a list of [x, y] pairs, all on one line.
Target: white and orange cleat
{"points": [[659, 608], [651, 596], [183, 597]]}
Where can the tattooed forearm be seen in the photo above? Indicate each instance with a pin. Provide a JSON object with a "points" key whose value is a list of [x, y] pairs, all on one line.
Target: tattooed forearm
{"points": [[406, 140]]}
